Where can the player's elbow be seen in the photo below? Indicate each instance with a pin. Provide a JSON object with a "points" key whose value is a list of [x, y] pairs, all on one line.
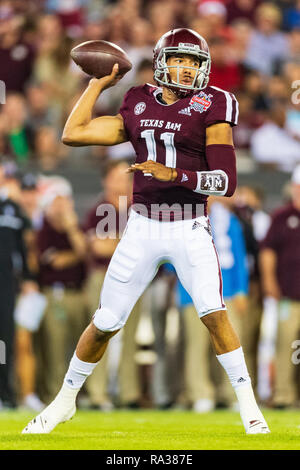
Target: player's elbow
{"points": [[71, 138], [67, 139]]}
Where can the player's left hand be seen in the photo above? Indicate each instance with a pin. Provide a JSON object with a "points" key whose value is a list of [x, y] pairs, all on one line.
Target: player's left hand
{"points": [[157, 170]]}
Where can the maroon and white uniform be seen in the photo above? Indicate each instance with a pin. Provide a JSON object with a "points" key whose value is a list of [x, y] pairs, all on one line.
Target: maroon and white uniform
{"points": [[174, 135]]}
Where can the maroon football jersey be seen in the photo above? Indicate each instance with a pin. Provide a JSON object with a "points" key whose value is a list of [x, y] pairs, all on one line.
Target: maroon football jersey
{"points": [[174, 135]]}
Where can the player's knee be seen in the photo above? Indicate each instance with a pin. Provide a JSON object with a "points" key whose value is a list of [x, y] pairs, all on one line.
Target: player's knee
{"points": [[215, 320], [107, 321], [100, 336]]}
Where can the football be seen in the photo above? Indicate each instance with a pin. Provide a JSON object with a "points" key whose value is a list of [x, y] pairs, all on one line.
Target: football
{"points": [[97, 58]]}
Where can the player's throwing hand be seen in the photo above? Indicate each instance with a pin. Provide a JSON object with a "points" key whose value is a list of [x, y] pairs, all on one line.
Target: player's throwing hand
{"points": [[109, 80], [157, 170]]}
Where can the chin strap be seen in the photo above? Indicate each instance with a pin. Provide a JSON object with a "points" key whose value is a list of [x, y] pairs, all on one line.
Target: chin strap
{"points": [[181, 93]]}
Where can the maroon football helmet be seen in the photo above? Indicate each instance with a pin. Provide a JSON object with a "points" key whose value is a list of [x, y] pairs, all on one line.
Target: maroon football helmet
{"points": [[181, 41]]}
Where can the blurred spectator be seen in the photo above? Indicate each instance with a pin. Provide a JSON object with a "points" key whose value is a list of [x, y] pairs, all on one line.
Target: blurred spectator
{"points": [[238, 9], [61, 249], [272, 145], [238, 45], [291, 17], [201, 26], [117, 27], [293, 53], [52, 65], [161, 295], [249, 120], [18, 133], [97, 12], [28, 315], [144, 73], [50, 153], [101, 246], [161, 14], [248, 205], [130, 11], [16, 57], [123, 151], [40, 111], [225, 73], [139, 47], [31, 303], [254, 87], [277, 90], [3, 142], [71, 14], [267, 43], [95, 29], [252, 197], [30, 203], [214, 14], [291, 72], [246, 201], [14, 275], [293, 120], [280, 265]]}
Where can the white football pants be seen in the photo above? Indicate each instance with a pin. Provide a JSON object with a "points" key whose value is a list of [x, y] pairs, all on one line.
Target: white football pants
{"points": [[145, 245]]}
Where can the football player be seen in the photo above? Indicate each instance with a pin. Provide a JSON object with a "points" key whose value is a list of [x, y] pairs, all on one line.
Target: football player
{"points": [[181, 131]]}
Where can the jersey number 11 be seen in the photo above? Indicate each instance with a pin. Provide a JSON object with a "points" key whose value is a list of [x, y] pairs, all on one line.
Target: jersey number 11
{"points": [[168, 138]]}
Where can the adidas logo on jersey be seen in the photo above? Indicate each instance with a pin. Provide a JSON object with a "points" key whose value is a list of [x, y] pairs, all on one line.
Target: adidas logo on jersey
{"points": [[184, 178], [186, 111], [196, 225], [241, 380]]}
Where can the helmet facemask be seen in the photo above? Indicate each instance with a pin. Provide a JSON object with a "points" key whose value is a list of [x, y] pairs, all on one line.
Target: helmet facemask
{"points": [[201, 78]]}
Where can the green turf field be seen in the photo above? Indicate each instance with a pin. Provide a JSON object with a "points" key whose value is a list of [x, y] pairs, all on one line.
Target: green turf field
{"points": [[152, 430]]}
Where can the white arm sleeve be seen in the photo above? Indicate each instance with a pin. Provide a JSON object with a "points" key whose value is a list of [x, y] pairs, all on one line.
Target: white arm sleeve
{"points": [[212, 183]]}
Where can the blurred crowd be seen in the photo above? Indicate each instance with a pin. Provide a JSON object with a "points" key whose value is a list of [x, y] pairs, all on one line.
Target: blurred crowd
{"points": [[53, 262]]}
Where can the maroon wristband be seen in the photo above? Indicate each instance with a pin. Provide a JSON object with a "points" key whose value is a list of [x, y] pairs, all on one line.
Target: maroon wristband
{"points": [[186, 178]]}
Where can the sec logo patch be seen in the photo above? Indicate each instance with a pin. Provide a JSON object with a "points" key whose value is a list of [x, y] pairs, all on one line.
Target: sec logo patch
{"points": [[139, 108]]}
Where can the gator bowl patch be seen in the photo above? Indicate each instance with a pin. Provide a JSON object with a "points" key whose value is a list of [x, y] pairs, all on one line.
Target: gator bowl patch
{"points": [[200, 102]]}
